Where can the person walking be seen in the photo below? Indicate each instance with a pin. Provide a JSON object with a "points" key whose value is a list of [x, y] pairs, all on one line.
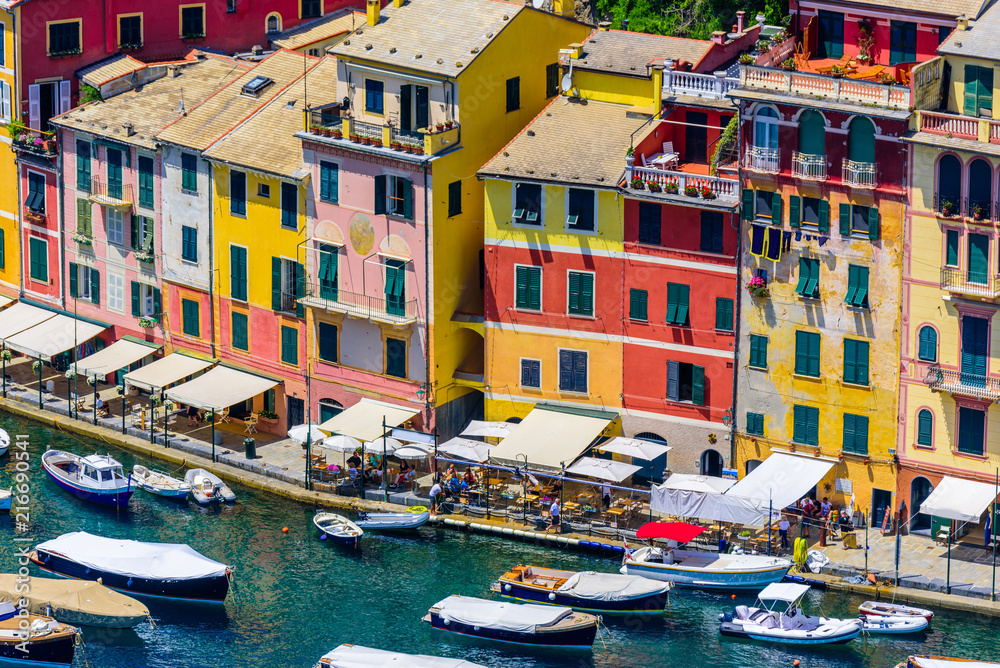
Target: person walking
{"points": [[606, 496], [783, 532], [435, 497], [553, 517]]}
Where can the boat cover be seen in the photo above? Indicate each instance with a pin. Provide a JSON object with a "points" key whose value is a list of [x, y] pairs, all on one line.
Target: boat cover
{"points": [[498, 615], [595, 586], [154, 561], [679, 531], [74, 601], [355, 656], [945, 662], [962, 500]]}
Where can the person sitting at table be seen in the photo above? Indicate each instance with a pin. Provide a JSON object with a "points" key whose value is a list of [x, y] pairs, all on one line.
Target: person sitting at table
{"points": [[403, 475], [373, 475], [354, 461], [374, 461], [454, 482], [469, 478], [452, 471]]}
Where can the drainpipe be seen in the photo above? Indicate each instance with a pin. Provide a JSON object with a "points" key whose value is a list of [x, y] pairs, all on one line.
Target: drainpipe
{"points": [[739, 290], [427, 304], [62, 230], [211, 259]]}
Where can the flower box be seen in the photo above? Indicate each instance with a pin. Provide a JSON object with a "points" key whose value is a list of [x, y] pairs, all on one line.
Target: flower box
{"points": [[145, 257], [671, 188], [691, 191], [707, 193], [83, 240], [146, 323], [653, 186], [637, 183]]}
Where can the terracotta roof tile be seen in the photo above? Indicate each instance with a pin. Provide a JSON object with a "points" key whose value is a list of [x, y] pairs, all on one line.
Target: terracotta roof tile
{"points": [[630, 52], [323, 28]]}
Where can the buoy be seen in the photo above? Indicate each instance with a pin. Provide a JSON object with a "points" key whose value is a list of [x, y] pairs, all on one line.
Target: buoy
{"points": [[734, 597], [795, 663], [506, 587], [323, 537], [285, 530], [552, 597], [129, 583]]}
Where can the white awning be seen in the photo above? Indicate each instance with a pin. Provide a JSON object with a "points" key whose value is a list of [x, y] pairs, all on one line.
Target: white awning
{"points": [[53, 336], [363, 420], [781, 480], [550, 438], [786, 592], [5, 301], [636, 448], [220, 388], [117, 356], [711, 506], [603, 469], [957, 499], [697, 483], [467, 449], [20, 317], [494, 429], [166, 371]]}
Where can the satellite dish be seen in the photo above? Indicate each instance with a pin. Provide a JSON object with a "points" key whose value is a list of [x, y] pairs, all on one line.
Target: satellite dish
{"points": [[567, 82], [537, 4]]}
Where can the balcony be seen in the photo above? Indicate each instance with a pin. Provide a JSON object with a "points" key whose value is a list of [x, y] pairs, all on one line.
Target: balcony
{"points": [[822, 86], [36, 142], [677, 183], [970, 283], [376, 309], [714, 86], [112, 195], [859, 174], [953, 381], [345, 130], [809, 167], [763, 160]]}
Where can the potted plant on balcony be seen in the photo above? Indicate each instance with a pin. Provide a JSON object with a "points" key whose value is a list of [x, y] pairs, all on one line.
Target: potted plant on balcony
{"points": [[356, 139], [448, 125], [671, 188], [947, 208], [630, 155], [836, 71], [691, 191], [978, 212], [788, 64], [147, 323], [707, 193], [866, 40], [746, 59], [653, 186], [439, 127], [396, 145], [336, 133], [889, 80], [83, 239], [418, 149], [637, 183], [269, 419], [758, 287]]}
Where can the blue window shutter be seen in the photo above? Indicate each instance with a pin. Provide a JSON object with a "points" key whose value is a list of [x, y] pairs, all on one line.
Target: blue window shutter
{"points": [[565, 370], [579, 371], [673, 380]]}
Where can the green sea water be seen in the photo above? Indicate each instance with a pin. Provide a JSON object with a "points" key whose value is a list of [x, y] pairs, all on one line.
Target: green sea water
{"points": [[297, 597]]}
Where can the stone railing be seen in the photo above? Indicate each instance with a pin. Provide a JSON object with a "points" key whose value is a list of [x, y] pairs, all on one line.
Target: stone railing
{"points": [[859, 174], [724, 189], [809, 167], [698, 85], [962, 127], [841, 89], [762, 159]]}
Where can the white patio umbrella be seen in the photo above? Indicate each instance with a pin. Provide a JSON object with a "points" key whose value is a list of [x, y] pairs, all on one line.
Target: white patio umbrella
{"points": [[467, 449], [635, 447], [602, 469], [299, 432], [382, 446], [697, 483], [340, 443], [493, 429], [411, 452]]}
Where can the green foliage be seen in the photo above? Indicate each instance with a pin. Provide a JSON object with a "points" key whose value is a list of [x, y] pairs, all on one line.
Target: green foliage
{"points": [[725, 144], [697, 19], [89, 94]]}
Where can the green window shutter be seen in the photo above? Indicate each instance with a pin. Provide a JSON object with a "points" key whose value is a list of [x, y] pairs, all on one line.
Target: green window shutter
{"points": [[573, 297], [238, 273], [755, 424], [747, 205], [812, 425], [683, 295], [157, 302], [861, 298], [801, 353], [861, 357], [146, 181], [535, 288], [3, 250], [521, 287], [84, 223], [95, 286], [776, 218], [850, 361], [804, 273], [698, 385], [276, 283], [587, 292], [799, 424], [852, 283], [327, 335], [38, 250], [808, 284], [380, 194], [240, 339], [985, 88], [191, 318], [328, 268], [971, 101], [925, 424], [951, 257], [135, 239], [290, 345], [328, 181], [637, 304], [724, 314], [672, 298], [824, 217], [758, 351], [849, 433], [793, 211], [300, 289], [845, 220], [136, 296], [861, 434], [873, 231], [74, 290], [407, 199]]}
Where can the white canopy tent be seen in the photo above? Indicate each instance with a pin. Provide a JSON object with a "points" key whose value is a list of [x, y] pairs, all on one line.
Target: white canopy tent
{"points": [[363, 420], [20, 317], [53, 336], [781, 479], [962, 500], [166, 371], [697, 483], [636, 448], [602, 469], [492, 429], [467, 449], [707, 506], [117, 356], [550, 437], [786, 592], [220, 388]]}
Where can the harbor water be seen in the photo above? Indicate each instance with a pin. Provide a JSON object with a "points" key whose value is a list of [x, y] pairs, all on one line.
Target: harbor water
{"points": [[296, 597]]}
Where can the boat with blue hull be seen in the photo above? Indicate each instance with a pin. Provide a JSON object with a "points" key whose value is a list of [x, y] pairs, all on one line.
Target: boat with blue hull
{"points": [[540, 625], [605, 593], [165, 570], [96, 478], [34, 640]]}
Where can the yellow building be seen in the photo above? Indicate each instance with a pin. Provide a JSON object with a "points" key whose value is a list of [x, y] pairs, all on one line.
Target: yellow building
{"points": [[950, 378], [10, 202]]}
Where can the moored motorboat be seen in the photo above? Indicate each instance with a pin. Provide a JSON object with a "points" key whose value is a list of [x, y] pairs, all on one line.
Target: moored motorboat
{"points": [[5, 498], [882, 609], [779, 619], [587, 591], [167, 570], [97, 478], [391, 521], [893, 625], [4, 442], [34, 640], [544, 625], [356, 656], [77, 602], [932, 661], [338, 528], [207, 487], [160, 484]]}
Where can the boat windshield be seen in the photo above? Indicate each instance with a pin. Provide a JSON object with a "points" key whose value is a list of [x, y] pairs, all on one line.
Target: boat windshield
{"points": [[772, 605], [118, 473]]}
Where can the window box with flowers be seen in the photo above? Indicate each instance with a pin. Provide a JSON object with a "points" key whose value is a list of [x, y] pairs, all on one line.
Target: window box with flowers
{"points": [[32, 216], [130, 46], [83, 239], [671, 188], [145, 257], [192, 36], [637, 183], [146, 323], [707, 193], [65, 53], [758, 287], [653, 186], [691, 191]]}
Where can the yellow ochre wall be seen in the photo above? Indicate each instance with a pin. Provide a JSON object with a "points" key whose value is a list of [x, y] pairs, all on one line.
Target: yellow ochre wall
{"points": [[10, 273]]}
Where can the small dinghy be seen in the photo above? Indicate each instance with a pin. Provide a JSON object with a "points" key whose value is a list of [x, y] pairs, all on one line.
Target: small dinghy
{"points": [[543, 625], [392, 521], [587, 591], [339, 529], [4, 442], [769, 623], [207, 487], [5, 496], [356, 656], [160, 484], [77, 602], [166, 570], [880, 609], [97, 478], [888, 625], [34, 640], [931, 661]]}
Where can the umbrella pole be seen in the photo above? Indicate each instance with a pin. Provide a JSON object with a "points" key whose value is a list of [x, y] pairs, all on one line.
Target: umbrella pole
{"points": [[993, 537], [123, 408], [4, 372], [212, 413], [770, 509], [39, 382], [385, 481], [947, 586], [166, 442], [95, 399], [487, 485]]}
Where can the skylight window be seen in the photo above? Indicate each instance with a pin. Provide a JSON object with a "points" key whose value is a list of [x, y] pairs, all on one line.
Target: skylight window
{"points": [[256, 85]]}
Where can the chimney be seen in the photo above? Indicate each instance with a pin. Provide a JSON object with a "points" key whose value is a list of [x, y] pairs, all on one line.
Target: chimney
{"points": [[173, 71], [564, 8], [604, 25], [397, 3], [129, 130], [719, 37], [256, 50], [577, 49], [963, 22], [739, 21], [374, 12]]}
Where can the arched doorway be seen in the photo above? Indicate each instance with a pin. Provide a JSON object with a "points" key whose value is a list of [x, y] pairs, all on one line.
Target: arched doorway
{"points": [[711, 463], [920, 489], [751, 464], [328, 408], [652, 471]]}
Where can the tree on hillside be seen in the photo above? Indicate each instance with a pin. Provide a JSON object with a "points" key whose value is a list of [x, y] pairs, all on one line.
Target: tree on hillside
{"points": [[697, 19]]}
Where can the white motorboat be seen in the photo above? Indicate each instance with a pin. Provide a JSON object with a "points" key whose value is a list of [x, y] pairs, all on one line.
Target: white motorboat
{"points": [[882, 609], [893, 625], [780, 619], [356, 656], [931, 661], [160, 484], [5, 496], [207, 487], [4, 442], [97, 478], [392, 521], [338, 528]]}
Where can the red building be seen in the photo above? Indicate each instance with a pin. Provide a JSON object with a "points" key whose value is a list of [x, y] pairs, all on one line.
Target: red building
{"points": [[40, 229]]}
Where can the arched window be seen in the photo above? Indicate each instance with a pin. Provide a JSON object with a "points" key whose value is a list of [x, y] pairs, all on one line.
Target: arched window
{"points": [[927, 344], [273, 23], [949, 184], [711, 463], [765, 132], [861, 140], [812, 133], [925, 428], [328, 408], [751, 464], [980, 189], [650, 436]]}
